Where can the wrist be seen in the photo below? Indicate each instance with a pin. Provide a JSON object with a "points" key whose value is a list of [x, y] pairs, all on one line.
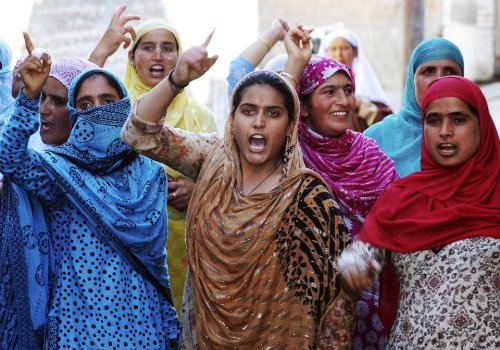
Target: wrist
{"points": [[175, 84]]}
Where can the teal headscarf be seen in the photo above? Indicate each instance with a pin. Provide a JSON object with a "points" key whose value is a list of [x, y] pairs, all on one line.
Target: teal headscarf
{"points": [[399, 135]]}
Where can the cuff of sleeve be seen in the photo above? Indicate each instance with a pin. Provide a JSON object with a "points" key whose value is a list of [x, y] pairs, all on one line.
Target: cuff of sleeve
{"points": [[29, 103]]}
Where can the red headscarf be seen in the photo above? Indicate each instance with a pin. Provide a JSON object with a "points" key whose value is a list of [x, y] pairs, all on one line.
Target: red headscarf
{"points": [[437, 205]]}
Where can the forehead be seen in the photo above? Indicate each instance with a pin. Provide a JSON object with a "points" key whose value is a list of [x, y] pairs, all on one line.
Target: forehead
{"points": [[339, 42], [96, 84], [262, 94], [54, 87], [440, 64], [446, 105], [157, 35]]}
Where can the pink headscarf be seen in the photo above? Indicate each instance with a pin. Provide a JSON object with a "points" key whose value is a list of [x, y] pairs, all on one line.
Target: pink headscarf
{"points": [[353, 165], [66, 69]]}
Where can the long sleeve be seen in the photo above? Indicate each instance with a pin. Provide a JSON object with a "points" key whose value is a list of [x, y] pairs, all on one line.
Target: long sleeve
{"points": [[238, 68], [18, 162], [181, 150]]}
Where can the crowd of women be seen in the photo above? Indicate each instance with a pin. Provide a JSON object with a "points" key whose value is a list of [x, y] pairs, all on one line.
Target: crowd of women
{"points": [[293, 230]]}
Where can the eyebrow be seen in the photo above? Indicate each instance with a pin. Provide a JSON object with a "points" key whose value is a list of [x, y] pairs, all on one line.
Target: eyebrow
{"points": [[89, 97], [149, 42]]}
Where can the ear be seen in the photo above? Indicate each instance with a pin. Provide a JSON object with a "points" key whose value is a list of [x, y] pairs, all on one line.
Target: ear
{"points": [[303, 111], [131, 58]]}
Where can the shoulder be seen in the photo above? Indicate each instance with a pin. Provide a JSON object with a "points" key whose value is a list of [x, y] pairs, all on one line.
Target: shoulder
{"points": [[316, 197]]}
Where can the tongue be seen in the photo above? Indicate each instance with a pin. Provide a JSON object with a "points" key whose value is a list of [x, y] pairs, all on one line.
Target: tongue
{"points": [[256, 144]]}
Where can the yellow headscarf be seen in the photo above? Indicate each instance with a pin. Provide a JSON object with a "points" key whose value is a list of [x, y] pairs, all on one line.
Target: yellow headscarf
{"points": [[184, 112]]}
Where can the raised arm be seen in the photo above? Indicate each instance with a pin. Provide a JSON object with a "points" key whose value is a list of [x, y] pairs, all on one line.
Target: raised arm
{"points": [[299, 50], [17, 161], [118, 32]]}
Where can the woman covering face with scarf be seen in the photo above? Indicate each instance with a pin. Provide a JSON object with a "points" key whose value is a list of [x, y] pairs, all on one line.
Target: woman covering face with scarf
{"points": [[263, 231], [440, 228], [105, 207]]}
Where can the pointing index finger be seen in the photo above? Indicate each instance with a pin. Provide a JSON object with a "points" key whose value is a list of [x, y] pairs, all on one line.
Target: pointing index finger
{"points": [[209, 38], [28, 42]]}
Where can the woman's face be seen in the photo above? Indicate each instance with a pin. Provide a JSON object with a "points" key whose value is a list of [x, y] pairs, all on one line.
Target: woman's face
{"points": [[427, 72], [451, 131], [155, 55], [329, 109], [342, 51], [261, 124], [95, 90], [55, 125]]}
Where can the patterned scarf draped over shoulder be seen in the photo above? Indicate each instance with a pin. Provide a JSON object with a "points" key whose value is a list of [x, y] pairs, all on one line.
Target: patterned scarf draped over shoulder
{"points": [[121, 194], [261, 266], [356, 170]]}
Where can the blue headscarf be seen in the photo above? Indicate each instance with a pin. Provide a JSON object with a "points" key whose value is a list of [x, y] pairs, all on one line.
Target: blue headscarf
{"points": [[400, 135], [121, 194], [6, 99]]}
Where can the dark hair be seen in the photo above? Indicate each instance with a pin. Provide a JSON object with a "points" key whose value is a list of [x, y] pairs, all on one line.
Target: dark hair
{"points": [[264, 77], [112, 82]]}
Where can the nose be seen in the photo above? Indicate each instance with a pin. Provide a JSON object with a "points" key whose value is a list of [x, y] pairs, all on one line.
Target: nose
{"points": [[45, 106], [259, 121], [157, 53], [446, 128], [341, 99]]}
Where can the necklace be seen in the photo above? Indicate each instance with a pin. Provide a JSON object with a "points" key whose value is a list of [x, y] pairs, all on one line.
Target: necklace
{"points": [[264, 179]]}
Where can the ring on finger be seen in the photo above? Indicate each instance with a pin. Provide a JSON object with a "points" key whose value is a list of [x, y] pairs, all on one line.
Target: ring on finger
{"points": [[174, 195]]}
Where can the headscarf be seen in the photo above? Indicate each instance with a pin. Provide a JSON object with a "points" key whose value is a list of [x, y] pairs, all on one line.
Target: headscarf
{"points": [[368, 86], [400, 135], [437, 206], [6, 99], [120, 193], [67, 68], [277, 63], [221, 218], [354, 167]]}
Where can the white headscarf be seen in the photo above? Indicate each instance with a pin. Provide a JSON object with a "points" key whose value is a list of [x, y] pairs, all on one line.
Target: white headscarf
{"points": [[367, 84]]}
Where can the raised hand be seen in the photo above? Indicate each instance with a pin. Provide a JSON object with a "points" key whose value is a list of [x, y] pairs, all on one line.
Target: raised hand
{"points": [[118, 32], [33, 70], [193, 63], [281, 25]]}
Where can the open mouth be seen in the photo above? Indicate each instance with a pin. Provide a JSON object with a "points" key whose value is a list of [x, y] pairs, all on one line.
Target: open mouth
{"points": [[339, 114], [157, 70], [447, 149], [45, 125], [257, 143]]}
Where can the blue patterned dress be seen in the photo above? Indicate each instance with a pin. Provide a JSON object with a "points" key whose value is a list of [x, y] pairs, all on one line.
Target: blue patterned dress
{"points": [[105, 207]]}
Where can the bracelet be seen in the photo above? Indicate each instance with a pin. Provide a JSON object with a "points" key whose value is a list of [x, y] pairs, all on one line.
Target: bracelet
{"points": [[291, 77], [174, 84], [265, 42]]}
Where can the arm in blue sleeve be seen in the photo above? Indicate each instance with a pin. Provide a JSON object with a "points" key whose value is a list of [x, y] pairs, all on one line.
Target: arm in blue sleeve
{"points": [[238, 68], [18, 162]]}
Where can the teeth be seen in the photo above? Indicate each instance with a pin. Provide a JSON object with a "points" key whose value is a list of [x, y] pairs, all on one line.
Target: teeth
{"points": [[339, 113], [156, 68], [257, 136]]}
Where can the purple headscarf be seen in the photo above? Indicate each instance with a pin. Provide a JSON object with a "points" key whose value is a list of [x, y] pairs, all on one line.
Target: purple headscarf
{"points": [[66, 69], [353, 165]]}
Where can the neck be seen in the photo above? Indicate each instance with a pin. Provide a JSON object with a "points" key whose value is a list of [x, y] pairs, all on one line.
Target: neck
{"points": [[260, 180]]}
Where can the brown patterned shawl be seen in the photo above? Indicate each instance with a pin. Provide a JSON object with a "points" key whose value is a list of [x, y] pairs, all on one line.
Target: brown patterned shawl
{"points": [[262, 267]]}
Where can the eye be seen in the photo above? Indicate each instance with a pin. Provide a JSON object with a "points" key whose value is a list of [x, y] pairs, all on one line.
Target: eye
{"points": [[460, 120], [432, 121], [450, 71], [348, 90], [147, 47], [109, 101], [168, 48], [59, 102], [246, 110], [429, 71], [83, 106], [274, 113]]}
